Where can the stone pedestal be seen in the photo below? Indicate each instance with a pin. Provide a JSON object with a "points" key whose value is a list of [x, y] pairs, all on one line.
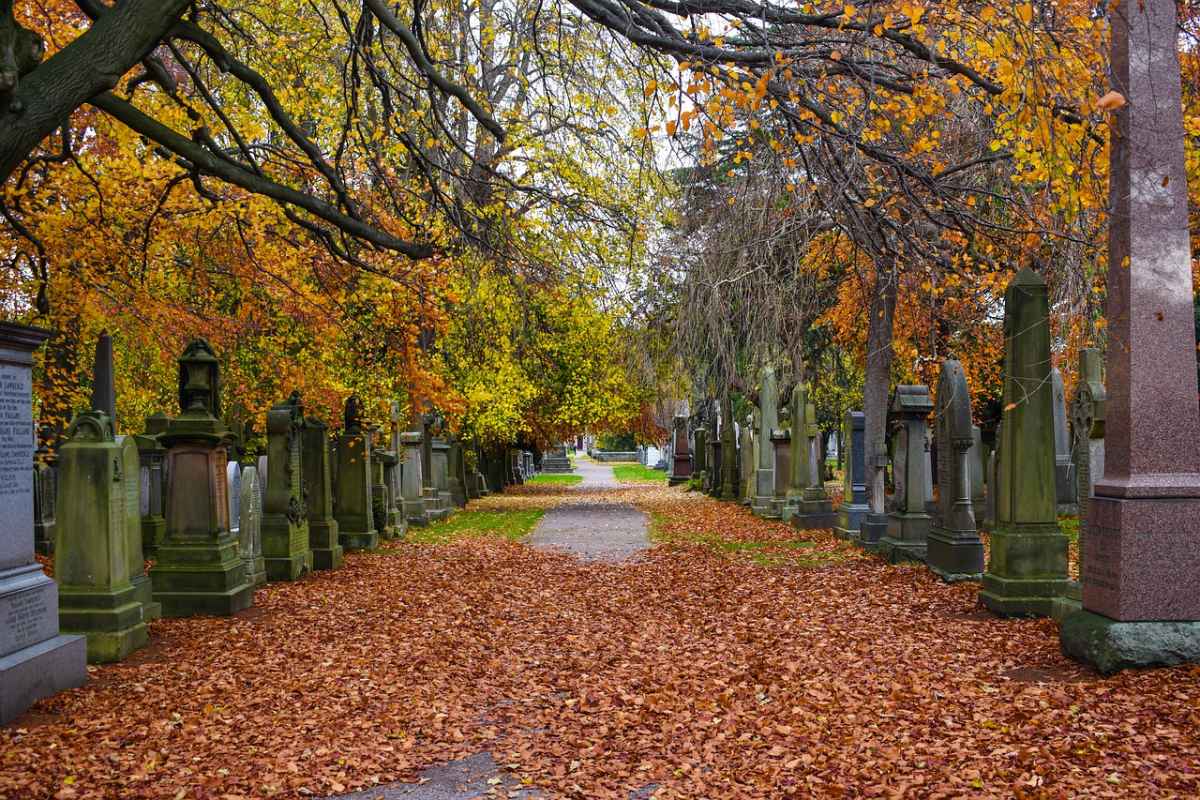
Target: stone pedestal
{"points": [[199, 569], [285, 518], [908, 522], [323, 541], [354, 513], [36, 661], [440, 476], [1027, 567], [814, 509], [854, 490], [954, 551]]}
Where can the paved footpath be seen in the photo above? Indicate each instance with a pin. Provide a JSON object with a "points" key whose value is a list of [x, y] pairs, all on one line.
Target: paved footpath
{"points": [[593, 531], [599, 531]]}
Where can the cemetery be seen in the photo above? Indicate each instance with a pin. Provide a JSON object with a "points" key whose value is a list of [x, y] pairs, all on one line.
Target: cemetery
{"points": [[588, 400]]}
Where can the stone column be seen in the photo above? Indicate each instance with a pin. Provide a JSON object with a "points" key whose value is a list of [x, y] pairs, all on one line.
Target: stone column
{"points": [[816, 508], [285, 517], [768, 420], [908, 522], [1027, 565], [1141, 565], [854, 489], [353, 511], [955, 551], [199, 568], [327, 552], [729, 451], [36, 660], [1064, 468]]}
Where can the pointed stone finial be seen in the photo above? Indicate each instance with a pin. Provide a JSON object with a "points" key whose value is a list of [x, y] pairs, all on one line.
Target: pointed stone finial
{"points": [[104, 393]]}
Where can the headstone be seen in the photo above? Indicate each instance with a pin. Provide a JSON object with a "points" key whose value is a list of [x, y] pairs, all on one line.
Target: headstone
{"points": [[152, 458], [36, 661], [955, 551], [411, 483], [746, 461], [1064, 468], [1140, 568], [1087, 423], [233, 476], [250, 528], [729, 452], [381, 513], [702, 453], [1027, 564], [975, 457], [99, 540], [764, 503], [681, 457], [457, 470], [353, 506], [441, 473], [908, 522], [815, 508], [556, 460], [854, 490], [327, 552], [45, 494], [993, 472], [199, 569], [285, 516], [262, 480]]}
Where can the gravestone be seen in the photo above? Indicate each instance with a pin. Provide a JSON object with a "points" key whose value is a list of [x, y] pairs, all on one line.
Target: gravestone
{"points": [[457, 475], [381, 512], [681, 457], [250, 528], [815, 507], [327, 552], [353, 508], [411, 484], [1141, 569], [764, 503], [100, 539], [36, 660], [262, 480], [1027, 564], [556, 460], [908, 521], [440, 459], [701, 454], [233, 476], [854, 490], [1087, 422], [285, 517], [152, 479], [954, 551], [993, 472], [975, 457], [729, 451], [199, 569], [45, 494], [781, 444], [1064, 468], [746, 461]]}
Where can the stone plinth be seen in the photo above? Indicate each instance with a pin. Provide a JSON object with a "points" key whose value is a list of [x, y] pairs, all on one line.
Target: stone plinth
{"points": [[36, 660], [954, 550], [1027, 566], [854, 489], [556, 461], [323, 541]]}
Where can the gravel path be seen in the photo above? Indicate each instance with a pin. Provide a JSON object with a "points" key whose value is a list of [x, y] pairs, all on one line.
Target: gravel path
{"points": [[600, 531]]}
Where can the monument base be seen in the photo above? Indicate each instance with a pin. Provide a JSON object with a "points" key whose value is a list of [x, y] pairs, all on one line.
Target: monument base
{"points": [[358, 540], [1068, 604], [285, 548], [256, 571], [38, 671], [414, 513], [815, 512], [144, 589], [154, 530], [871, 530], [323, 543], [458, 494], [110, 621], [1027, 569], [849, 520], [766, 507], [201, 578], [678, 480], [1111, 646], [906, 539], [953, 556]]}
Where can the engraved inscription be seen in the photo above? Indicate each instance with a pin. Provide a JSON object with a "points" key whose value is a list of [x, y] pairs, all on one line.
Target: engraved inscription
{"points": [[1100, 558], [16, 433], [24, 619]]}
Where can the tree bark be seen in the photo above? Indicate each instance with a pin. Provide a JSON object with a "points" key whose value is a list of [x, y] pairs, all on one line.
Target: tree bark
{"points": [[878, 379]]}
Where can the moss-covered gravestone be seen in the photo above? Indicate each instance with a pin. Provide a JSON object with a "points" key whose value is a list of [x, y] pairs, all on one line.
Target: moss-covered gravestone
{"points": [[352, 488], [250, 527], [764, 503], [384, 515], [440, 459], [1027, 566], [458, 480], [681, 455], [1064, 465], [285, 516], [955, 551], [815, 508], [99, 491], [854, 489], [152, 479], [412, 500], [730, 461], [323, 541], [908, 522], [199, 568]]}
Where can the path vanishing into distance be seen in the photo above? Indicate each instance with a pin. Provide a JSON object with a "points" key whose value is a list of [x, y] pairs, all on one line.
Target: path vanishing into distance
{"points": [[594, 531]]}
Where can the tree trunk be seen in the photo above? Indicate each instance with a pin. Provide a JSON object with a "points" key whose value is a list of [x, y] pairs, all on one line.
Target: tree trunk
{"points": [[877, 382]]}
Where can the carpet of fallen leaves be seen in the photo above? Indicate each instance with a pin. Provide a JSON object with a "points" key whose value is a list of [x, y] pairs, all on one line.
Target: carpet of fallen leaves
{"points": [[694, 667]]}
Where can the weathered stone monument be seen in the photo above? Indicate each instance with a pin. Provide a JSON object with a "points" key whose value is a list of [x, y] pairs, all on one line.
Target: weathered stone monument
{"points": [[45, 494], [353, 509], [1064, 467], [729, 451], [1087, 424], [36, 660], [323, 541], [908, 521], [701, 454], [1027, 566], [954, 551], [746, 461], [814, 509], [440, 459], [199, 569], [764, 503], [411, 482], [681, 457], [975, 457], [382, 512], [285, 518], [457, 474], [233, 477], [556, 460], [1141, 569], [854, 489], [250, 528]]}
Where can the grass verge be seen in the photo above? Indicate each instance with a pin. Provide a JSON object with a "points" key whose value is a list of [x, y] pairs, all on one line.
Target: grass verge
{"points": [[636, 473], [513, 525], [559, 479]]}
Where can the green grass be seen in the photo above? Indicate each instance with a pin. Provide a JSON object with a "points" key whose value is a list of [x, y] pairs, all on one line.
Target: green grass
{"points": [[1070, 527], [514, 525], [636, 473], [560, 479]]}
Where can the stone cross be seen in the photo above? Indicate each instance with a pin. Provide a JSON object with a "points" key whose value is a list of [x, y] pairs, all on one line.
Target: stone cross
{"points": [[954, 551], [1064, 469], [1027, 567]]}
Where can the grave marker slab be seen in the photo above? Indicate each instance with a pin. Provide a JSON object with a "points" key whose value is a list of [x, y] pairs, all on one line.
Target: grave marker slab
{"points": [[854, 489], [908, 522], [954, 550], [250, 528], [327, 552], [285, 516]]}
